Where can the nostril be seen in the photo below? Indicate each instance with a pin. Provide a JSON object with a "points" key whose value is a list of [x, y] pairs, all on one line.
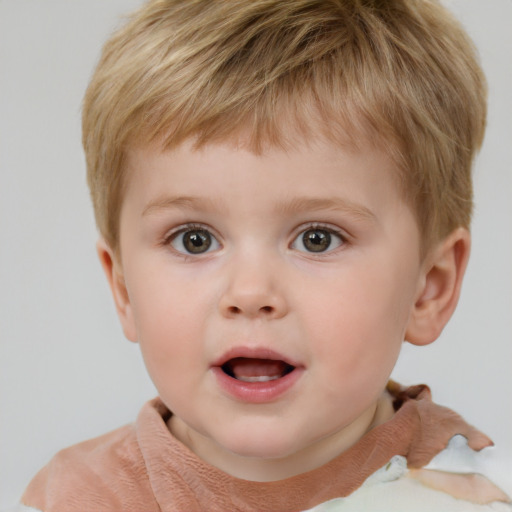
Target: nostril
{"points": [[235, 310]]}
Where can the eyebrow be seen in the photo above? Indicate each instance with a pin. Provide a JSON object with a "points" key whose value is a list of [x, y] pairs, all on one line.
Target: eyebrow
{"points": [[312, 204], [187, 202], [295, 205]]}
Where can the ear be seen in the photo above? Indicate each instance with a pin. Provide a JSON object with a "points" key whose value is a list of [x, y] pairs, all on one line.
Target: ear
{"points": [[439, 288], [112, 268]]}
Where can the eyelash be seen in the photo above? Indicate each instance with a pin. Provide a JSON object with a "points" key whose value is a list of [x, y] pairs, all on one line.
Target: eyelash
{"points": [[169, 238], [344, 239], [184, 228]]}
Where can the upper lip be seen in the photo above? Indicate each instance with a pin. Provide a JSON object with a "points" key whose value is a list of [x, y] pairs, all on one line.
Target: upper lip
{"points": [[254, 353]]}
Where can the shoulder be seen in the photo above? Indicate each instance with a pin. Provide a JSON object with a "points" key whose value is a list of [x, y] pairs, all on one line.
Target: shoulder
{"points": [[466, 474], [102, 474], [449, 484], [407, 494]]}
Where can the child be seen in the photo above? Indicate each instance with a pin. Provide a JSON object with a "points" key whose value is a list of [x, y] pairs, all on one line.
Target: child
{"points": [[283, 194]]}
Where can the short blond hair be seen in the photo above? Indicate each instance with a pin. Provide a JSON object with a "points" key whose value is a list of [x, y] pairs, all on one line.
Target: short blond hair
{"points": [[401, 74]]}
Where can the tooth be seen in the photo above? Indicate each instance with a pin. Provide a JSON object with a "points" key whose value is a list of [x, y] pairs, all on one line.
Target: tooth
{"points": [[258, 378]]}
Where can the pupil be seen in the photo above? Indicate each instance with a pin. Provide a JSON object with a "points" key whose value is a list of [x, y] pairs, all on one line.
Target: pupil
{"points": [[316, 240], [197, 241]]}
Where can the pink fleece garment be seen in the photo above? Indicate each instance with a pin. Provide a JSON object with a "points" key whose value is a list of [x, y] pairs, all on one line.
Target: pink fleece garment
{"points": [[143, 468]]}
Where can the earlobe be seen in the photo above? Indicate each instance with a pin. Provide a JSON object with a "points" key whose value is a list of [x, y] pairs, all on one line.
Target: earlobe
{"points": [[439, 288], [115, 278]]}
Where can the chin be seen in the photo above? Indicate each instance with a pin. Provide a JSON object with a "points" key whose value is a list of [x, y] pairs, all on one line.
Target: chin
{"points": [[262, 443], [261, 451]]}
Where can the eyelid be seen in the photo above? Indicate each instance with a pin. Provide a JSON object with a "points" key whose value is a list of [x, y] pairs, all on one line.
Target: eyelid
{"points": [[171, 235], [324, 226], [188, 226]]}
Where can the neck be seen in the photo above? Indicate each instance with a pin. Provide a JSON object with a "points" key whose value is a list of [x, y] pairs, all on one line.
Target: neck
{"points": [[307, 459]]}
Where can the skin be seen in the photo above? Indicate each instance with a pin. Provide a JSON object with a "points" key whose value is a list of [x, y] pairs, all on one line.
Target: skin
{"points": [[340, 314]]}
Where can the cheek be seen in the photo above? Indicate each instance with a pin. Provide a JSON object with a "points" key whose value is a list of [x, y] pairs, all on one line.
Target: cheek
{"points": [[165, 317], [159, 297], [359, 319]]}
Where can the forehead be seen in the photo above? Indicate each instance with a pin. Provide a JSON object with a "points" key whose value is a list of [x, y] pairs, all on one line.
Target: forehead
{"points": [[225, 171], [305, 133]]}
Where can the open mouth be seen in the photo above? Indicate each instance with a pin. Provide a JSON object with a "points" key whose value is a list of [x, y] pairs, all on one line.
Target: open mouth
{"points": [[247, 369]]}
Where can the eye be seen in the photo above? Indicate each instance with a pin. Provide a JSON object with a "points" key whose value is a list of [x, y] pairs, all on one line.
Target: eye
{"points": [[194, 241], [317, 240]]}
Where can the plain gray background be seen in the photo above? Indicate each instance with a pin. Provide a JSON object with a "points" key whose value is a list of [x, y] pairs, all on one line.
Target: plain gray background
{"points": [[66, 373]]}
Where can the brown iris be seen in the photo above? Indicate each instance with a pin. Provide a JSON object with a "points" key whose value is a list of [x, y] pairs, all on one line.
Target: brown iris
{"points": [[316, 240], [197, 241]]}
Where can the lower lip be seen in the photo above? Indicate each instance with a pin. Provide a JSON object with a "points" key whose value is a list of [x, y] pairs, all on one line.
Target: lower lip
{"points": [[256, 392]]}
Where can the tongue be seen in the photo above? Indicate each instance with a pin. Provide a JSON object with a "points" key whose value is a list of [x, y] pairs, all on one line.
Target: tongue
{"points": [[257, 370]]}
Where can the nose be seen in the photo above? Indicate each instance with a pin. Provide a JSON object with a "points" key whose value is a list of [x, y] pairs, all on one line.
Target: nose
{"points": [[253, 290]]}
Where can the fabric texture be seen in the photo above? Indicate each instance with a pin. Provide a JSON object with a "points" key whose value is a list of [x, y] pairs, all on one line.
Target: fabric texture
{"points": [[391, 489], [142, 467]]}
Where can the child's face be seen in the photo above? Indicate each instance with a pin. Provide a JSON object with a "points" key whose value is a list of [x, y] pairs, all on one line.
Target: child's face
{"points": [[270, 294]]}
